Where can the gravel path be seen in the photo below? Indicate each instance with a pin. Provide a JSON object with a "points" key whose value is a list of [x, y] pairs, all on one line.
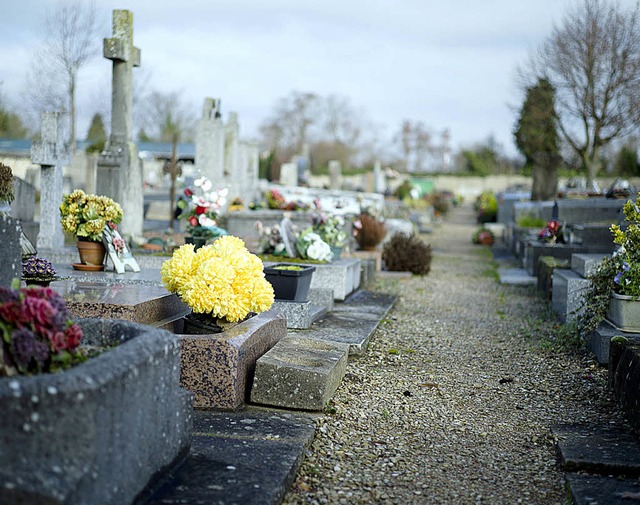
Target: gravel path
{"points": [[454, 400]]}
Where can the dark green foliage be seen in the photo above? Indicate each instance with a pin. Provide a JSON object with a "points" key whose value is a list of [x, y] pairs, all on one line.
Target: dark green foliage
{"points": [[537, 139], [403, 191], [407, 253], [626, 163], [96, 135], [6, 184]]}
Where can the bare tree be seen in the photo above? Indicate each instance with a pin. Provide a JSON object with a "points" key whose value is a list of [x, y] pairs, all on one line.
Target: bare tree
{"points": [[70, 41], [593, 61]]}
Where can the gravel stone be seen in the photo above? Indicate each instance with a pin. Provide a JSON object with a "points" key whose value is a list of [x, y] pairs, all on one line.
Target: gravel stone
{"points": [[454, 400]]}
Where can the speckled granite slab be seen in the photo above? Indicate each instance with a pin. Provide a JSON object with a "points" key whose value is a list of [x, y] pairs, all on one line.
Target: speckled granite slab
{"points": [[218, 368], [142, 303]]}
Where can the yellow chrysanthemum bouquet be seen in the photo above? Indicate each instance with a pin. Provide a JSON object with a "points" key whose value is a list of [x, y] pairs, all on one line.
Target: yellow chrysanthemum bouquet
{"points": [[222, 279], [86, 215]]}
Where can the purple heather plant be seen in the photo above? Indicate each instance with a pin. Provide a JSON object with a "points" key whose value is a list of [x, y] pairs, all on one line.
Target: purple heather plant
{"points": [[40, 268]]}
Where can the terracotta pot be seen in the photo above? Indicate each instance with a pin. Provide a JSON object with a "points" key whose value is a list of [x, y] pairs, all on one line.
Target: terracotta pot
{"points": [[91, 253]]}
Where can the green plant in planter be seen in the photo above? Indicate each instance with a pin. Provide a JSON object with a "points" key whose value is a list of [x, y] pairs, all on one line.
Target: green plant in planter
{"points": [[530, 221], [619, 273], [288, 267]]}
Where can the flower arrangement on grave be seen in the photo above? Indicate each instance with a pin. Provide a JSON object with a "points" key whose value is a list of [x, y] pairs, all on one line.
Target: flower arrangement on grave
{"points": [[275, 200], [329, 227], [311, 246], [270, 240], [38, 332], [618, 273], [200, 208], [368, 230], [236, 204], [552, 233], [86, 215], [486, 207], [483, 236], [38, 271], [6, 184], [221, 281]]}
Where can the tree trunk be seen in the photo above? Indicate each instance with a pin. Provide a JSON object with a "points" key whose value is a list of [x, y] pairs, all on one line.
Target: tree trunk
{"points": [[592, 165], [173, 174], [72, 113], [545, 177]]}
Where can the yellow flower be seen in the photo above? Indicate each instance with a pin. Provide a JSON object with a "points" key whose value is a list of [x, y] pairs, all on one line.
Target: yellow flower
{"points": [[223, 279]]}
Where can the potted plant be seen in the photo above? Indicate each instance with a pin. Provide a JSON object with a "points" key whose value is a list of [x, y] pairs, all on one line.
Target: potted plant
{"points": [[38, 271], [200, 206], [63, 385], [483, 236], [615, 287], [85, 216], [552, 233], [368, 231], [310, 246], [290, 281], [222, 283], [330, 229]]}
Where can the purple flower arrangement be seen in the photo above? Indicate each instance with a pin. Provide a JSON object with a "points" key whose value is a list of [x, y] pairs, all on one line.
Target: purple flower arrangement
{"points": [[37, 269], [38, 332]]}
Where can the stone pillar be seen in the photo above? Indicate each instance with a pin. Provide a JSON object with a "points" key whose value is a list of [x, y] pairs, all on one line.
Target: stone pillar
{"points": [[119, 174], [210, 143], [51, 153], [379, 178], [335, 174], [249, 153], [233, 175], [10, 259], [289, 174]]}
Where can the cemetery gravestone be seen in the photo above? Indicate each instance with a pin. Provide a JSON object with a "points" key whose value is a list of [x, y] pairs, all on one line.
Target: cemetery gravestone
{"points": [[10, 259], [335, 174], [51, 153], [210, 141], [119, 171]]}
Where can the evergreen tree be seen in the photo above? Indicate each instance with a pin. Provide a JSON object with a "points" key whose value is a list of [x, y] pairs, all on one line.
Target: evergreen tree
{"points": [[537, 139], [96, 135]]}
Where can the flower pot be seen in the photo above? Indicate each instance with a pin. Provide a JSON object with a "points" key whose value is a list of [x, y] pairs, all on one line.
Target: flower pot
{"points": [[290, 284], [37, 282], [197, 242], [624, 313], [336, 251], [485, 238], [120, 417], [91, 253]]}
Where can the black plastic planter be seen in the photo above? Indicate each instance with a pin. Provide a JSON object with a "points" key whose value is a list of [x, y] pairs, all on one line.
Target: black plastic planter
{"points": [[290, 284]]}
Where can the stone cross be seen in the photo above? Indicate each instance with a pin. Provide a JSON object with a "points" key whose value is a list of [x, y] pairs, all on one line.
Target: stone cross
{"points": [[51, 153], [210, 142], [119, 174]]}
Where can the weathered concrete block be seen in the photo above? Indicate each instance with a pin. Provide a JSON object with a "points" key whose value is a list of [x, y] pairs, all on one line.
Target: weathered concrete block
{"points": [[10, 259], [343, 276], [599, 341], [322, 297], [586, 265], [568, 293], [217, 368], [98, 432], [535, 249], [299, 373], [299, 314]]}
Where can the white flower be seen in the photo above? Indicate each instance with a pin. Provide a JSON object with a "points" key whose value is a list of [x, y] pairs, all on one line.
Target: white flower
{"points": [[205, 221], [319, 250]]}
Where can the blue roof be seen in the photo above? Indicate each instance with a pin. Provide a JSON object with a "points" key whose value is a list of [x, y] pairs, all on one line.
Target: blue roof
{"points": [[23, 146]]}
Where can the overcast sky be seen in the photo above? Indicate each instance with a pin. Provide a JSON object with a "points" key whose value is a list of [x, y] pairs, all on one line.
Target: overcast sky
{"points": [[451, 64]]}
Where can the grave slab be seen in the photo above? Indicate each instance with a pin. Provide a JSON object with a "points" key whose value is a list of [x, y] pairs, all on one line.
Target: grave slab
{"points": [[299, 373], [535, 249], [516, 277], [585, 265], [598, 489], [248, 458], [142, 303], [322, 297], [567, 294], [352, 322], [11, 257], [218, 368], [608, 450]]}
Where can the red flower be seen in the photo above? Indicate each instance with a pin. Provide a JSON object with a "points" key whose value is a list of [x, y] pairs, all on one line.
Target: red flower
{"points": [[193, 221], [73, 335], [200, 210], [188, 192]]}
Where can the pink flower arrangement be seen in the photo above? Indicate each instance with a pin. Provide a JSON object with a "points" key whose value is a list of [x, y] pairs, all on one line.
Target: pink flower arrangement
{"points": [[38, 332]]}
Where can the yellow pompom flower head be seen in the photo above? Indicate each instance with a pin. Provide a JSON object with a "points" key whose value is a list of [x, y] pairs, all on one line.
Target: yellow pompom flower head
{"points": [[222, 279]]}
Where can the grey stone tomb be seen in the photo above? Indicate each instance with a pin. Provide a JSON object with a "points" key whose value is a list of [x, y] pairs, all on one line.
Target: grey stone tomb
{"points": [[51, 153], [119, 173], [10, 259]]}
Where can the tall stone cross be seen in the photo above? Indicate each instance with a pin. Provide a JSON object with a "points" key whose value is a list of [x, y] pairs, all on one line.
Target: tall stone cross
{"points": [[119, 172], [51, 153]]}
